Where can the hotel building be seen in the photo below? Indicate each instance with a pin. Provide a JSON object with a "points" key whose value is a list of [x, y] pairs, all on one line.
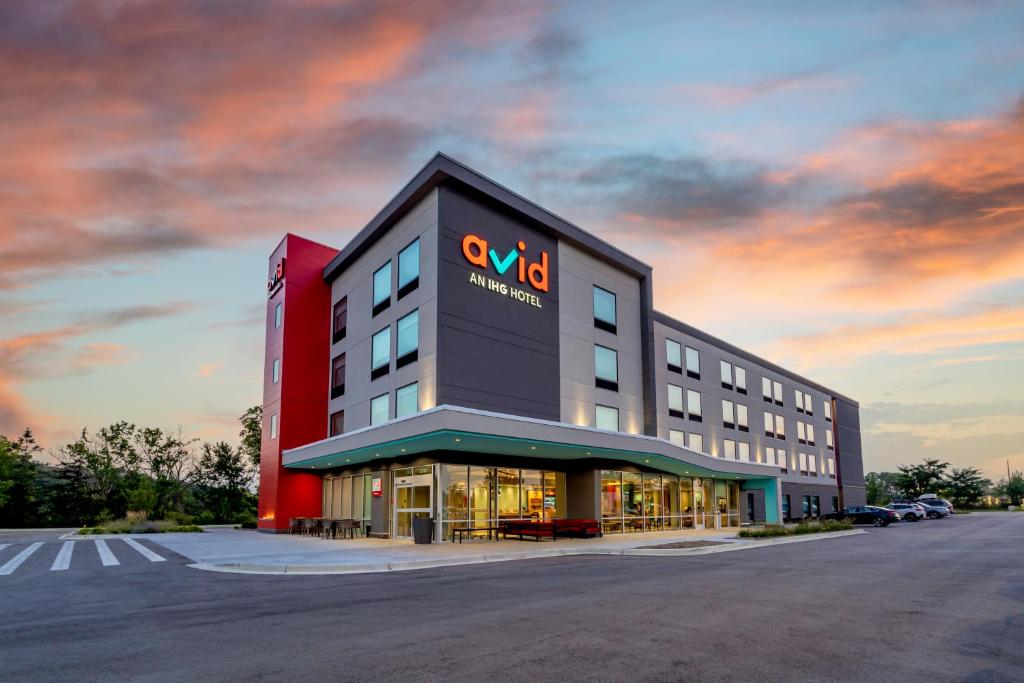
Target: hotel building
{"points": [[470, 357]]}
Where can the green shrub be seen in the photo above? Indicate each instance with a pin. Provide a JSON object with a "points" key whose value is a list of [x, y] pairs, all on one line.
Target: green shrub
{"points": [[188, 528], [809, 527], [179, 517], [138, 526]]}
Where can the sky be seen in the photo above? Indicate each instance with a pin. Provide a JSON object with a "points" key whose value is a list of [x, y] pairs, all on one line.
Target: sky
{"points": [[838, 187]]}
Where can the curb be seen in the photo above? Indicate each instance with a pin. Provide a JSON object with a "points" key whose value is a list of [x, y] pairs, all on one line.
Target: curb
{"points": [[329, 569]]}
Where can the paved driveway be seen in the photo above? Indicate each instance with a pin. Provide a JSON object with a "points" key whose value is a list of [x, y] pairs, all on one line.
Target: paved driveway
{"points": [[935, 601]]}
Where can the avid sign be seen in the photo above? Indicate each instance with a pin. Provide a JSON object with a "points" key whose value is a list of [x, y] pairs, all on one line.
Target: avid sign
{"points": [[276, 279], [530, 275]]}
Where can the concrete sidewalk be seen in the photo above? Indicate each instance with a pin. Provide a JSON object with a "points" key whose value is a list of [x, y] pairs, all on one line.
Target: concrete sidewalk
{"points": [[237, 551]]}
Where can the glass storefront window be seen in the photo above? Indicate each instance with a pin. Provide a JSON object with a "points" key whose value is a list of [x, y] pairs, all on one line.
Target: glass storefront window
{"points": [[633, 501], [481, 480], [508, 494], [686, 502], [532, 495], [611, 500], [653, 511], [554, 495]]}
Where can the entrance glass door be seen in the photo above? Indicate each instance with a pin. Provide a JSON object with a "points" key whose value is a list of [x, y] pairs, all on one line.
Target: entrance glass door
{"points": [[414, 493], [698, 504]]}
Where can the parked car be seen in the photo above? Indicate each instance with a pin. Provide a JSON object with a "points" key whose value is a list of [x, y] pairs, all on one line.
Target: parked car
{"points": [[931, 498], [866, 514], [934, 509], [909, 512]]}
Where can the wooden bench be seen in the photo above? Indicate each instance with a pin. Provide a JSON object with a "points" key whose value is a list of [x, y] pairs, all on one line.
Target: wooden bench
{"points": [[469, 530]]}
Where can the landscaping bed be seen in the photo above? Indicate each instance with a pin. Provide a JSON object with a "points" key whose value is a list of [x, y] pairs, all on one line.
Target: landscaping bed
{"points": [[683, 544], [826, 526]]}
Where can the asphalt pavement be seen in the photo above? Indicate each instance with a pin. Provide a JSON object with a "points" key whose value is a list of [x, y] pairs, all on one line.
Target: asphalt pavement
{"points": [[938, 601]]}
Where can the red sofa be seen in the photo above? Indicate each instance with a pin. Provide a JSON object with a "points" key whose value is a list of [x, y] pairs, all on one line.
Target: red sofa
{"points": [[577, 528]]}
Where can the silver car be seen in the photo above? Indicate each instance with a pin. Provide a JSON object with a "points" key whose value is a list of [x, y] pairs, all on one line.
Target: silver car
{"points": [[934, 509], [909, 512]]}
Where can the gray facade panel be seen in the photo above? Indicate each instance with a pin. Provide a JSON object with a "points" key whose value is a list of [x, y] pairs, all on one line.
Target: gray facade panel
{"points": [[851, 461], [494, 352]]}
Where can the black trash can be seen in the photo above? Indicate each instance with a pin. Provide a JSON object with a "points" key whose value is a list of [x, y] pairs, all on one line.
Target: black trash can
{"points": [[423, 529]]}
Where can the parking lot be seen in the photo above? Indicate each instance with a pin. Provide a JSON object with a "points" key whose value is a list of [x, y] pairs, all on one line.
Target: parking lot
{"points": [[935, 600]]}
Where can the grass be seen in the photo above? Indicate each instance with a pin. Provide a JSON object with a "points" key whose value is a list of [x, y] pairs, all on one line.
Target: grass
{"points": [[137, 525], [819, 527]]}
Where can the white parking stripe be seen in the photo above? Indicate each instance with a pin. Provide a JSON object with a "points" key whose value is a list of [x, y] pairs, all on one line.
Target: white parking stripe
{"points": [[144, 551], [63, 559], [106, 557], [16, 561], [3, 545]]}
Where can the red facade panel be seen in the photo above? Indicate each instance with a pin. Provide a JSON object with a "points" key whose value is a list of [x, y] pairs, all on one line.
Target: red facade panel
{"points": [[299, 398]]}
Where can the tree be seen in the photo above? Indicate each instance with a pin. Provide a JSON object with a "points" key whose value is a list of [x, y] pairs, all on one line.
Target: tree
{"points": [[251, 435], [965, 486], [223, 477], [170, 464], [880, 487], [18, 491], [1013, 488], [914, 480]]}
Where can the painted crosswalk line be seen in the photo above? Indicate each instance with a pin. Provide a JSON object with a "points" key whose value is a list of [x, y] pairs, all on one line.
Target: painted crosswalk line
{"points": [[16, 561], [3, 545], [106, 557], [63, 559], [144, 551]]}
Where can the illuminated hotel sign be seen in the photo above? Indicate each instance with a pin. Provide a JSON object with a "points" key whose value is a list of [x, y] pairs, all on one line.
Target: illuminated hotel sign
{"points": [[478, 253], [276, 280]]}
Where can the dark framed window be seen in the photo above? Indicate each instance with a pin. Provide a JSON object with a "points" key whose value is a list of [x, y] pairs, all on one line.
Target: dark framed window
{"points": [[407, 401], [382, 288], [338, 376], [693, 407], [606, 368], [785, 507], [675, 401], [380, 353], [604, 310], [408, 343], [726, 373], [409, 268], [692, 363], [278, 315], [674, 355], [339, 326], [337, 423]]}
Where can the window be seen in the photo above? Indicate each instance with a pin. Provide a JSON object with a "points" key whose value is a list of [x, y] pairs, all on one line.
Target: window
{"points": [[769, 456], [726, 372], [799, 397], [769, 425], [728, 418], [380, 353], [338, 376], [697, 442], [278, 315], [674, 353], [832, 467], [803, 463], [812, 465], [606, 417], [766, 389], [835, 503], [806, 506], [828, 439], [409, 268], [337, 423], [677, 437], [777, 391], [382, 288], [741, 380], [407, 400], [743, 451], [692, 363], [604, 310], [340, 325], [277, 370], [729, 449], [801, 434], [675, 401], [785, 507], [606, 368], [693, 405], [808, 404], [273, 426], [380, 410], [408, 341], [780, 427], [828, 411], [741, 418], [810, 435]]}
